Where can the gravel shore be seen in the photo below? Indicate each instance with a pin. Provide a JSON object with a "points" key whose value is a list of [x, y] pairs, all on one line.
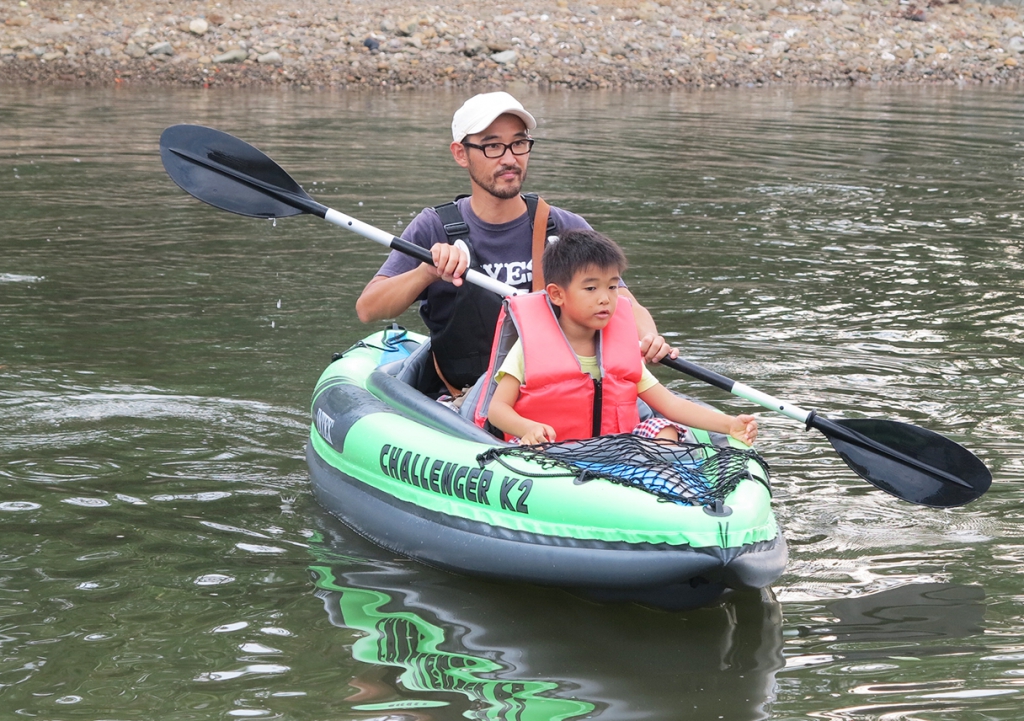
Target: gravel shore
{"points": [[546, 43]]}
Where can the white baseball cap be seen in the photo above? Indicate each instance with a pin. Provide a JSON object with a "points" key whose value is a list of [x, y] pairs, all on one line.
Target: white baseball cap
{"points": [[477, 113]]}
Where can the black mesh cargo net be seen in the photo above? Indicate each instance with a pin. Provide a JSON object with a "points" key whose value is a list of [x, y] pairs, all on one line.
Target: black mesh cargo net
{"points": [[689, 474]]}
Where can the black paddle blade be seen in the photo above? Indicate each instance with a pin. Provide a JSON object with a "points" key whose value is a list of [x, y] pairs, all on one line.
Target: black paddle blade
{"points": [[924, 468], [228, 173]]}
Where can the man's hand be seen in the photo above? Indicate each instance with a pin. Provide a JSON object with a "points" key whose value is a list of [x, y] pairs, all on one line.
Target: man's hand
{"points": [[653, 348], [450, 262]]}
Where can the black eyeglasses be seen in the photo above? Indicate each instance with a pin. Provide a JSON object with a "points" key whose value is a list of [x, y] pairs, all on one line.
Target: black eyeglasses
{"points": [[496, 150]]}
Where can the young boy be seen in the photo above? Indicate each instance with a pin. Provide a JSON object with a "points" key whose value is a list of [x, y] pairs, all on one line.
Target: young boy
{"points": [[579, 375]]}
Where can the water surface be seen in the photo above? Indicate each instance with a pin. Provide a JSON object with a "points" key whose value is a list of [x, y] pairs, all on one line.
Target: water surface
{"points": [[854, 251]]}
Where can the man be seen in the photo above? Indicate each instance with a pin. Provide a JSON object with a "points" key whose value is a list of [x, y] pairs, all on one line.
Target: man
{"points": [[499, 228]]}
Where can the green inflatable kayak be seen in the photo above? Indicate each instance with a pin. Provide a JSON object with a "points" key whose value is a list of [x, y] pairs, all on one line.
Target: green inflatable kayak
{"points": [[418, 478]]}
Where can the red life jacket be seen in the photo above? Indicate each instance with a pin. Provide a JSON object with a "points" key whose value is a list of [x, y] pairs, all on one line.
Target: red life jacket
{"points": [[553, 374]]}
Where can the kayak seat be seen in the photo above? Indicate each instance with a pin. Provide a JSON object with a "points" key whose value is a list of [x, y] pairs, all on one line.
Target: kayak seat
{"points": [[644, 410], [418, 371], [403, 399], [466, 410]]}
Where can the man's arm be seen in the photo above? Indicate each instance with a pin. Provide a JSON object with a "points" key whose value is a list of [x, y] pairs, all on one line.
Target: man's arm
{"points": [[388, 297], [652, 346], [385, 297]]}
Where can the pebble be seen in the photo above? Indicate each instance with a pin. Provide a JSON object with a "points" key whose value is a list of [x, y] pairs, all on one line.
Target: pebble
{"points": [[160, 49], [542, 43], [235, 55]]}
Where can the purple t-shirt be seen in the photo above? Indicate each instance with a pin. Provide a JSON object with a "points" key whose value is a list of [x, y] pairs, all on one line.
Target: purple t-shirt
{"points": [[502, 251]]}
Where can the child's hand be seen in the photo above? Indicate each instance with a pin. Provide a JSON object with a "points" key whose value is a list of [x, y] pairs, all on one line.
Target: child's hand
{"points": [[537, 433], [743, 428]]}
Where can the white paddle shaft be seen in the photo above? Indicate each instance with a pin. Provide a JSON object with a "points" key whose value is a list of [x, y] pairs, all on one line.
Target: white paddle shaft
{"points": [[400, 244]]}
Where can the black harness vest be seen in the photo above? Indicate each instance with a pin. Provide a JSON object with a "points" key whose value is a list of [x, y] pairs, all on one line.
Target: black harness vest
{"points": [[462, 343]]}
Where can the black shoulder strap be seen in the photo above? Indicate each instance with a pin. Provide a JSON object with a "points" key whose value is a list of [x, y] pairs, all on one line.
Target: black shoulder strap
{"points": [[454, 224], [531, 208]]}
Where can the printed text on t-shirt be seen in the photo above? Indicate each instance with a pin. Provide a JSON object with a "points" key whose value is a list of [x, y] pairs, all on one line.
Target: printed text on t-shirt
{"points": [[515, 273]]}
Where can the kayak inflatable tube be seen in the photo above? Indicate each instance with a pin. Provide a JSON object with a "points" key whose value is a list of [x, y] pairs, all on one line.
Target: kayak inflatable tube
{"points": [[401, 470]]}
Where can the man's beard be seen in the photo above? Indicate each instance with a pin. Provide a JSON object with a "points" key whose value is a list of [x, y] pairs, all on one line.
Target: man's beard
{"points": [[491, 185]]}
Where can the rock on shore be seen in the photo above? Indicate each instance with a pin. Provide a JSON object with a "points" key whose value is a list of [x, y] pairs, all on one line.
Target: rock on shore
{"points": [[549, 43]]}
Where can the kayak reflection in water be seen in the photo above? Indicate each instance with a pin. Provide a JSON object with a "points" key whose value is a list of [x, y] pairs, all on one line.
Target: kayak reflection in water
{"points": [[528, 653]]}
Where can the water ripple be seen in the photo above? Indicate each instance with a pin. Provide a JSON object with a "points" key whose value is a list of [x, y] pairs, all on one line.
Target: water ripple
{"points": [[856, 252]]}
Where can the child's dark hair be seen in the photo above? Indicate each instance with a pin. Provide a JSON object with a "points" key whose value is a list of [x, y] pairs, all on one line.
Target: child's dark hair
{"points": [[576, 250]]}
